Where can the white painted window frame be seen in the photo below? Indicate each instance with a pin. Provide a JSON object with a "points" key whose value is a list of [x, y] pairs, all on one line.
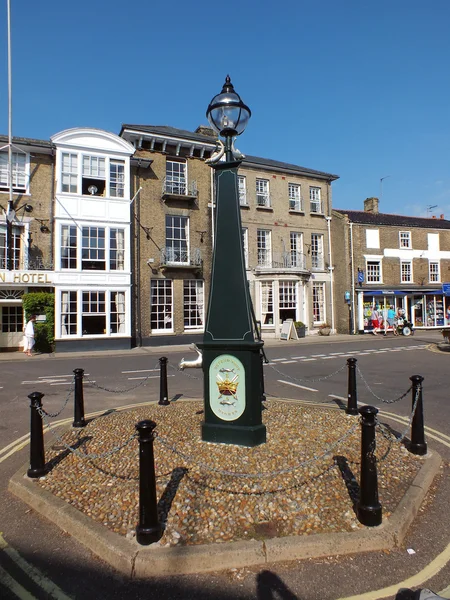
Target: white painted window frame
{"points": [[295, 197], [315, 200], [406, 271], [434, 275], [405, 241]]}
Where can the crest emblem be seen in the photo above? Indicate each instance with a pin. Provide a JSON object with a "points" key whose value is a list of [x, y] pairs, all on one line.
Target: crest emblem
{"points": [[227, 387]]}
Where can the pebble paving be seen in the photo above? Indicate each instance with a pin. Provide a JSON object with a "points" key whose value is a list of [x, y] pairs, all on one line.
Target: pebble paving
{"points": [[302, 481]]}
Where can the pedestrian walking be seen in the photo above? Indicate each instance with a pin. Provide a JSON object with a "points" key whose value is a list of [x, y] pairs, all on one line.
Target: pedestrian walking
{"points": [[29, 335], [375, 320]]}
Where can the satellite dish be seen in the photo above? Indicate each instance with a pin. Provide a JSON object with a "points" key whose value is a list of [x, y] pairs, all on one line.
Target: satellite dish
{"points": [[92, 189]]}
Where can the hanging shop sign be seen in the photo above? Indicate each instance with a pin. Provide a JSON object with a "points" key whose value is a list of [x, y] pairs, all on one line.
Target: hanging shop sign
{"points": [[446, 289], [25, 277]]}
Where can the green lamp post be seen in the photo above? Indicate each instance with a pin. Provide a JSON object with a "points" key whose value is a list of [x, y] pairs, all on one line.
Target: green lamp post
{"points": [[232, 365]]}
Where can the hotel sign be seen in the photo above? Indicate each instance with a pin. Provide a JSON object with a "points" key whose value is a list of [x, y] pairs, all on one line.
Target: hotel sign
{"points": [[26, 277]]}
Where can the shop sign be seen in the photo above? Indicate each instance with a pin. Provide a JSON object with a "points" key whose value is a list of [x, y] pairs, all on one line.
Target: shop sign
{"points": [[446, 289], [28, 277]]}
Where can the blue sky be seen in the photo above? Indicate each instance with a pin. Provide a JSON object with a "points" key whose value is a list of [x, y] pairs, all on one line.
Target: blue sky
{"points": [[352, 87]]}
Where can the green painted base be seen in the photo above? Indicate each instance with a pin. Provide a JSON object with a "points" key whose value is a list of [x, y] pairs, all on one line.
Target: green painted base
{"points": [[240, 435]]}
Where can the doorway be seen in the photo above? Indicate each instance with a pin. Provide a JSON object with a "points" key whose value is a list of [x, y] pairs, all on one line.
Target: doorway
{"points": [[11, 318]]}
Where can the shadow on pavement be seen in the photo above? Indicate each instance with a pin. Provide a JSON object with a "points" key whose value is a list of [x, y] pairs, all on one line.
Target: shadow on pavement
{"points": [[270, 587]]}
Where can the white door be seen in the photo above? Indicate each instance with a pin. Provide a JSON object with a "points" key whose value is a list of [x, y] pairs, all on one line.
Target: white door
{"points": [[11, 316]]}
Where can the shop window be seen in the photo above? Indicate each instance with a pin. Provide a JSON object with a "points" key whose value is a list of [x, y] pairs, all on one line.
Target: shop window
{"points": [[267, 302], [93, 313], [318, 303], [287, 299], [193, 304], [405, 239], [161, 317]]}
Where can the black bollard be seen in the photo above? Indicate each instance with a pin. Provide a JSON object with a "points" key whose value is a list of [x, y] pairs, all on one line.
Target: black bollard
{"points": [[368, 508], [163, 393], [78, 417], [418, 445], [37, 452], [352, 400], [149, 529]]}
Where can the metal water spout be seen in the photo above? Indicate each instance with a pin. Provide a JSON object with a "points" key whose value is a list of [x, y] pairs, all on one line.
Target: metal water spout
{"points": [[193, 364]]}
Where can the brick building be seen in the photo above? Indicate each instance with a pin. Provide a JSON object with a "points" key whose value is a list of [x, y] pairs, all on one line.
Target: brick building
{"points": [[286, 213], [172, 216], [389, 260], [31, 267], [122, 232]]}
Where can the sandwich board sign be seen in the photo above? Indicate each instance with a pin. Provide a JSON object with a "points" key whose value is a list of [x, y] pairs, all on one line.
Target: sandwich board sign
{"points": [[288, 331]]}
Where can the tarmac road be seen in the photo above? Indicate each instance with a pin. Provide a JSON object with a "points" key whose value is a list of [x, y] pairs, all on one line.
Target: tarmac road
{"points": [[33, 543]]}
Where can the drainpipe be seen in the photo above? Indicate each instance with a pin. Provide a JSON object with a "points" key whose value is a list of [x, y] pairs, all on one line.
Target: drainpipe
{"points": [[353, 278], [213, 195], [330, 270]]}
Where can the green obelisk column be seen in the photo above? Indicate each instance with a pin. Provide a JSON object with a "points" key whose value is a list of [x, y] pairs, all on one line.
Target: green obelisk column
{"points": [[232, 365]]}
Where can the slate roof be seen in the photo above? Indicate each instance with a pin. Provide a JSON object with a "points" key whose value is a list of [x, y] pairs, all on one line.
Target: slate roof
{"points": [[369, 218], [172, 132], [26, 141], [249, 160]]}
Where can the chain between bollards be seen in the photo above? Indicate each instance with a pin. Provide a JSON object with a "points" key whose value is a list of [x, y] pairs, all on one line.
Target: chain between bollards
{"points": [[78, 418], [418, 445], [368, 509], [352, 399], [163, 392], [37, 452], [149, 529]]}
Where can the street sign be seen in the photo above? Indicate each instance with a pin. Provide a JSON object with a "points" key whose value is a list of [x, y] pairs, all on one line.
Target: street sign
{"points": [[446, 289]]}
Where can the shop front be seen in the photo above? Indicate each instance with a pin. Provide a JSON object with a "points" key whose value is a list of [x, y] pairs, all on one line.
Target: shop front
{"points": [[13, 285], [424, 308]]}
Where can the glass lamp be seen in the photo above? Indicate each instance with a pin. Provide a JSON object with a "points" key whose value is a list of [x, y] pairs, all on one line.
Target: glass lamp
{"points": [[226, 112]]}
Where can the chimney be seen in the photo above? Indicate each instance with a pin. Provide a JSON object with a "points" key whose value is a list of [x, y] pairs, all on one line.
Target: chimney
{"points": [[433, 216], [441, 216], [205, 130], [371, 205]]}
